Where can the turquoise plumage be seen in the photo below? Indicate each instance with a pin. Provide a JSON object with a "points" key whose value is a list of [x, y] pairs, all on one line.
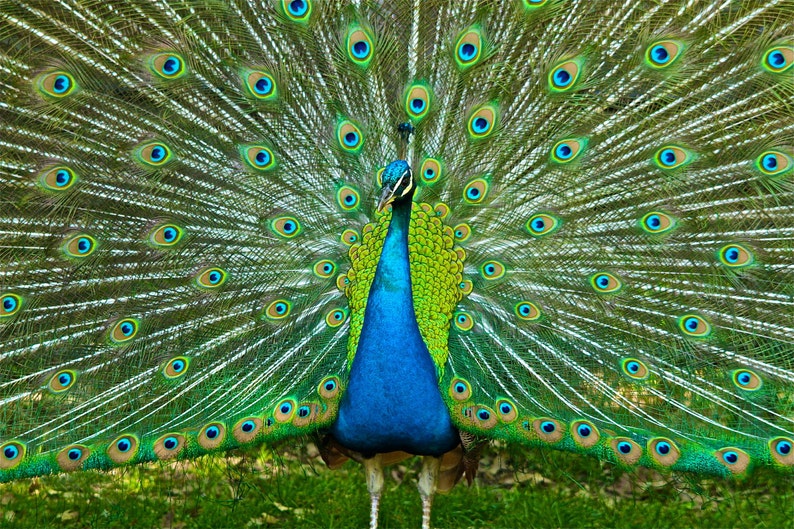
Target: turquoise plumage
{"points": [[397, 227]]}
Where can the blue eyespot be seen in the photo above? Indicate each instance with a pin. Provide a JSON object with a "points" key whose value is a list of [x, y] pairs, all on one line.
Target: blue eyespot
{"points": [[10, 304], [297, 8], [171, 65], [158, 153], [505, 408], [83, 245], [127, 328], [63, 177], [285, 408], [460, 387], [170, 443], [212, 432], [62, 84], [360, 49], [563, 151], [467, 51], [653, 222], [691, 324], [170, 234], [730, 457], [178, 365], [75, 454], [777, 59], [304, 411], [480, 125], [351, 139], [280, 308], [624, 447], [769, 162], [602, 281], [659, 54], [473, 193], [65, 379], [330, 385], [483, 415], [123, 445], [561, 78], [11, 452], [418, 105], [783, 448], [263, 86], [663, 448], [667, 157], [633, 367], [248, 426], [262, 158], [584, 430], [548, 426]]}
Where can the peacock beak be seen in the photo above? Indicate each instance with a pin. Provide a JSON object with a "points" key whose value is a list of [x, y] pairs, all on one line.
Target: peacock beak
{"points": [[387, 196]]}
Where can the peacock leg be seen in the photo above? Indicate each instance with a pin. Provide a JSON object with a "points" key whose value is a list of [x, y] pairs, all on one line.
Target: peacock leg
{"points": [[428, 479], [374, 470]]}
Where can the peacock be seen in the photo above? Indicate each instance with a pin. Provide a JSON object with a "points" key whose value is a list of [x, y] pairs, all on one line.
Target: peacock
{"points": [[398, 228]]}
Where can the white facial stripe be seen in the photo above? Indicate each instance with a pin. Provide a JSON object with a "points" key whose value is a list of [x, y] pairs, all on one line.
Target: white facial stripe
{"points": [[410, 182]]}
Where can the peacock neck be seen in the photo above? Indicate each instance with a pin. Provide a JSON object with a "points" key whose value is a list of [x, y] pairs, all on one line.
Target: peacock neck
{"points": [[392, 401]]}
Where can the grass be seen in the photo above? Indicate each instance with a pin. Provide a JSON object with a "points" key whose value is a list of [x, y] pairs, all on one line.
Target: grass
{"points": [[266, 488]]}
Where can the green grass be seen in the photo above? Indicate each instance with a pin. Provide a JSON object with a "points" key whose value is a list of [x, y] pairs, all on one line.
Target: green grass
{"points": [[516, 488]]}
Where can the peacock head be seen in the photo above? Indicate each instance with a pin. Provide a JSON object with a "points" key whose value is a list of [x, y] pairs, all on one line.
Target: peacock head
{"points": [[397, 184]]}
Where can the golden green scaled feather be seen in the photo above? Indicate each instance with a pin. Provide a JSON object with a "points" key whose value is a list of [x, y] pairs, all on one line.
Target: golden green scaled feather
{"points": [[397, 227]]}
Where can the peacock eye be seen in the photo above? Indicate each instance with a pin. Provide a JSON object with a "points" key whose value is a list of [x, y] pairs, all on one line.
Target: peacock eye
{"points": [[166, 235], [527, 311], [278, 309], [468, 48], [779, 59], [657, 222], [694, 326], [475, 191], [542, 224], [286, 227], [567, 150], [663, 53], [430, 171], [672, 157], [492, 270], [56, 85], [564, 76], [153, 154], [176, 367], [605, 283], [79, 246], [348, 198], [635, 369], [359, 45], [124, 330], [58, 178], [211, 278], [167, 65], [735, 256], [9, 304], [335, 318], [463, 321], [260, 85], [747, 380], [349, 137], [482, 121], [62, 381], [774, 163]]}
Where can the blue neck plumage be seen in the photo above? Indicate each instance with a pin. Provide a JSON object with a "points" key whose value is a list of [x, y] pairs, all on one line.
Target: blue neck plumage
{"points": [[393, 401]]}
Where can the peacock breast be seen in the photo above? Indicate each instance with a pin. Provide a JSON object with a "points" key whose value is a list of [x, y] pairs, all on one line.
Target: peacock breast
{"points": [[436, 269]]}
